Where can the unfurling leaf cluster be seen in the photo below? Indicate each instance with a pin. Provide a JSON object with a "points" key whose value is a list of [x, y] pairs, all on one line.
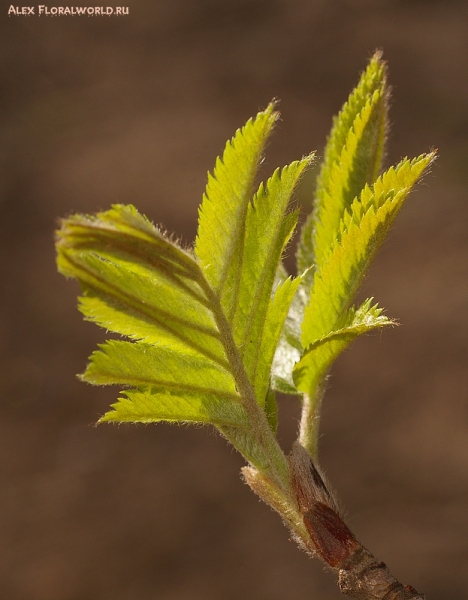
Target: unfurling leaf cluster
{"points": [[213, 332]]}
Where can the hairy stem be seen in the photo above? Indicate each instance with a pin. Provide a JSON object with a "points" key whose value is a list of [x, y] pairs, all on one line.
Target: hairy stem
{"points": [[310, 420], [278, 469]]}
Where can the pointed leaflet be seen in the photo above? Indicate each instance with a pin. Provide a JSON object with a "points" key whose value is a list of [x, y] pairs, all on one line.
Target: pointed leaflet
{"points": [[152, 325], [372, 80], [314, 363], [352, 158], [348, 176], [363, 230], [137, 282], [151, 404], [140, 364], [221, 229], [268, 229]]}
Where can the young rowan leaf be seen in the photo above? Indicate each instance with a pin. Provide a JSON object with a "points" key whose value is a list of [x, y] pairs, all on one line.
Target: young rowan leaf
{"points": [[352, 159], [222, 214], [361, 234], [137, 282], [259, 316], [268, 228]]}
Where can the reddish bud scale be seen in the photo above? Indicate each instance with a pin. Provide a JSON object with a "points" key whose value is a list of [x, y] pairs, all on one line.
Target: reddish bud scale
{"points": [[332, 539]]}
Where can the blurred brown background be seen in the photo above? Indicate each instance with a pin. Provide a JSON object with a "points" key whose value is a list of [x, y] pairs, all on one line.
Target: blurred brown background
{"points": [[135, 109]]}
